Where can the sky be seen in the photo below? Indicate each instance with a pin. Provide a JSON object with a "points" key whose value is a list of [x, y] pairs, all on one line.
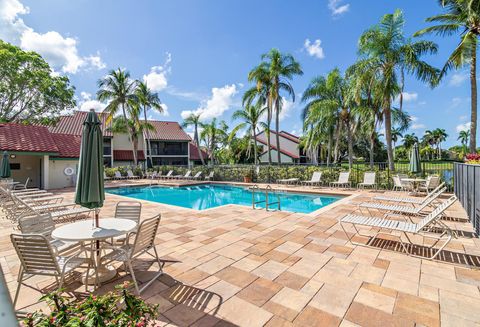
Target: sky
{"points": [[197, 53]]}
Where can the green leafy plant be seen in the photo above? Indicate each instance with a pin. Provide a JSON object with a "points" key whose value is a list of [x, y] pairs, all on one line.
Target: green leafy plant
{"points": [[115, 308]]}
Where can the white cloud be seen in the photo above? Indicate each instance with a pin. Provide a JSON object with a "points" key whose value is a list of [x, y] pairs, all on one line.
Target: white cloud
{"points": [[416, 124], [455, 102], [409, 96], [337, 8], [463, 127], [314, 49], [165, 110], [86, 103], [60, 52], [157, 78], [457, 79], [220, 101], [287, 107]]}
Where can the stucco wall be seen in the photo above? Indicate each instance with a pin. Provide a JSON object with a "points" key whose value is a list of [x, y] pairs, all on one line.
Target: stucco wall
{"points": [[58, 179], [122, 142], [284, 158], [29, 167]]}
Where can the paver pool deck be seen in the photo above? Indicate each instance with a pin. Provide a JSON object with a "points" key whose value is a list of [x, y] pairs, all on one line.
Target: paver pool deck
{"points": [[233, 265]]}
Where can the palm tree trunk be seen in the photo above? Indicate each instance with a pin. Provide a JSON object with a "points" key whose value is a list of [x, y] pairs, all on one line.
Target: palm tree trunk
{"points": [[372, 142], [146, 136], [329, 147], [269, 119], [277, 127], [255, 146], [350, 145], [388, 135], [337, 142], [135, 161], [473, 88], [197, 143]]}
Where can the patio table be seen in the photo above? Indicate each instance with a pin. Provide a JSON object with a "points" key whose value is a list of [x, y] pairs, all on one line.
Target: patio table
{"points": [[84, 231], [416, 183]]}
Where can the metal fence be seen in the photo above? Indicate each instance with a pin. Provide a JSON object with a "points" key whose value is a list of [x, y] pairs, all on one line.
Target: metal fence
{"points": [[467, 189]]}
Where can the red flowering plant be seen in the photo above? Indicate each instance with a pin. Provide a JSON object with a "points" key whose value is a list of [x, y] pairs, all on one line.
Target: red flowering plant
{"points": [[473, 158], [116, 308]]}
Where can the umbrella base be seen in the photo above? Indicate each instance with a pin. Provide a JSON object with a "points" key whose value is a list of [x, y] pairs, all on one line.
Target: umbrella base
{"points": [[105, 273]]}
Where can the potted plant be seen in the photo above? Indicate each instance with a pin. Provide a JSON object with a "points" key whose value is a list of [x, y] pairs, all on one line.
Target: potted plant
{"points": [[247, 178]]}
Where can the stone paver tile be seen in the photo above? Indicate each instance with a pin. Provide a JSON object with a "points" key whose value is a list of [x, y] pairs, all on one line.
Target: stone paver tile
{"points": [[428, 292], [216, 264], [270, 269], [381, 263], [312, 287], [291, 299], [276, 255], [280, 310], [311, 316], [460, 305], [438, 269], [163, 304], [291, 280], [369, 317], [247, 264], [193, 276], [209, 281], [400, 284], [417, 309], [375, 300], [243, 313], [468, 276], [289, 247], [236, 276], [368, 274], [403, 271], [224, 289], [232, 252], [333, 299], [449, 285], [207, 321], [183, 315], [260, 291], [306, 267], [326, 276], [277, 321], [340, 266], [346, 323], [455, 321]]}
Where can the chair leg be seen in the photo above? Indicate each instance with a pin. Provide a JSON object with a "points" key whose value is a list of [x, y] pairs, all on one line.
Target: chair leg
{"points": [[19, 280], [130, 268]]}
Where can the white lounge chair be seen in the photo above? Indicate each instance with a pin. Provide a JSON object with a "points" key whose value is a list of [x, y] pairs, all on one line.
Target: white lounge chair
{"points": [[315, 180], [423, 228], [197, 176], [210, 176], [343, 180], [130, 175], [402, 209], [288, 181], [431, 183], [168, 175], [410, 200], [22, 186], [118, 175], [368, 180], [186, 176]]}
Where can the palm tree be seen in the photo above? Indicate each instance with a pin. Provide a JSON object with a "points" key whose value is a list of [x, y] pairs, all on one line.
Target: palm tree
{"points": [[261, 93], [119, 89], [214, 133], [461, 17], [463, 137], [148, 100], [409, 140], [250, 116], [194, 120], [387, 53], [396, 135], [281, 69], [440, 136]]}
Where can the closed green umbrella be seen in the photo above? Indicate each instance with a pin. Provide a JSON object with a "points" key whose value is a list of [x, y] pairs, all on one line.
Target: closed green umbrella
{"points": [[90, 192], [415, 166], [5, 166]]}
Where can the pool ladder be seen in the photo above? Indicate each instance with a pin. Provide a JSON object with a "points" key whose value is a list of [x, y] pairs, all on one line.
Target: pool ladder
{"points": [[268, 189]]}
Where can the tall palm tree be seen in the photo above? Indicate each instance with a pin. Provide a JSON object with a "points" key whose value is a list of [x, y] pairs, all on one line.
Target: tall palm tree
{"points": [[119, 90], [462, 18], [281, 69], [250, 116], [387, 53], [214, 133], [147, 99], [396, 135], [463, 137], [261, 93], [194, 120], [409, 140], [440, 136]]}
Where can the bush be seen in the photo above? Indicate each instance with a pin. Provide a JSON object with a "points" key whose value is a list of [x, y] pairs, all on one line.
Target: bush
{"points": [[115, 308], [110, 172]]}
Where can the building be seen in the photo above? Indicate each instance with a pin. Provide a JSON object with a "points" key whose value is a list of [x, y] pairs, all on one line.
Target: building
{"points": [[48, 155], [290, 151]]}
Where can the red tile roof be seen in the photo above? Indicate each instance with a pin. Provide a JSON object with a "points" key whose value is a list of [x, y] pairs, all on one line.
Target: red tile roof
{"points": [[168, 130], [68, 145], [194, 152], [26, 138], [127, 155], [73, 124]]}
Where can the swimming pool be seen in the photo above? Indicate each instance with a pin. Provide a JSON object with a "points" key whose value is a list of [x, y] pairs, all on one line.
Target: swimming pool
{"points": [[208, 196]]}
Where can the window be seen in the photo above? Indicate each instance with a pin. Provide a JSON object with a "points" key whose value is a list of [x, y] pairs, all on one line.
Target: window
{"points": [[160, 148], [107, 147], [107, 161], [14, 166]]}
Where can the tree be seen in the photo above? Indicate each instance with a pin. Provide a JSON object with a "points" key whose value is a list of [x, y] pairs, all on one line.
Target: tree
{"points": [[387, 53], [463, 137], [461, 17], [440, 136], [281, 69], [29, 92], [119, 89], [147, 99], [194, 120], [214, 133], [409, 140], [250, 116], [396, 135]]}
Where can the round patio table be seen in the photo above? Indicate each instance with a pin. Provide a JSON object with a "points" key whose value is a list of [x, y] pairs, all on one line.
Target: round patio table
{"points": [[416, 182], [84, 231]]}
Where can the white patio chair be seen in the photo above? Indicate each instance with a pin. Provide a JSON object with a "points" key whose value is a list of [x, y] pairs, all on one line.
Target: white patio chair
{"points": [[424, 227], [22, 186], [197, 176], [128, 210], [431, 183], [399, 185], [42, 224], [130, 175], [210, 176], [118, 175], [343, 180], [168, 175], [315, 180], [37, 257], [186, 176], [143, 243], [368, 180], [288, 181], [410, 200], [402, 209]]}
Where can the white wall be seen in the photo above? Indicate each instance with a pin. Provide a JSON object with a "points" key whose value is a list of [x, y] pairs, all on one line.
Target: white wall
{"points": [[285, 144], [29, 167], [58, 179], [284, 158], [122, 142]]}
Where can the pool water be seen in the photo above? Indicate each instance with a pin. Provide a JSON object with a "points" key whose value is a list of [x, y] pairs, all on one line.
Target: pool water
{"points": [[210, 196]]}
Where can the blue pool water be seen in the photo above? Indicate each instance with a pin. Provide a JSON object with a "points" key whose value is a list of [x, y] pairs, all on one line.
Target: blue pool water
{"points": [[210, 196]]}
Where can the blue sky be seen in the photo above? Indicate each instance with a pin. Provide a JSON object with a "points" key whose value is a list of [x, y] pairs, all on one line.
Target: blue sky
{"points": [[197, 54]]}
